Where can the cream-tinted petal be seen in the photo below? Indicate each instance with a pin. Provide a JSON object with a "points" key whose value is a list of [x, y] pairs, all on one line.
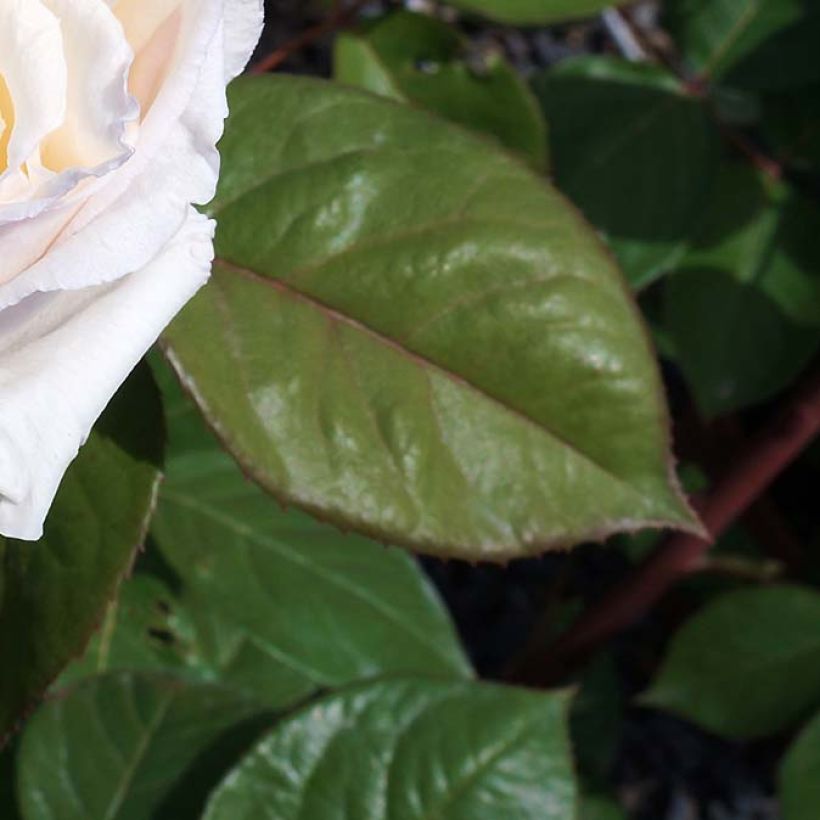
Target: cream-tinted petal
{"points": [[62, 357]]}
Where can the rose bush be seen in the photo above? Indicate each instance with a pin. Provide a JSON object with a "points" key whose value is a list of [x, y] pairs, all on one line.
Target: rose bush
{"points": [[110, 111]]}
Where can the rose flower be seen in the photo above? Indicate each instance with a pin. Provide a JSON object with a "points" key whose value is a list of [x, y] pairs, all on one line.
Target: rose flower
{"points": [[110, 111]]}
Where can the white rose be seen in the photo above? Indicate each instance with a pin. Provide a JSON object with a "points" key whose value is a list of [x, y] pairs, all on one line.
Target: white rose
{"points": [[110, 111]]}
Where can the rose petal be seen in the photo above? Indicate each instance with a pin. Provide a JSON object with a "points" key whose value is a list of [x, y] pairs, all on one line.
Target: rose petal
{"points": [[98, 60], [137, 208], [34, 71], [243, 26], [63, 355]]}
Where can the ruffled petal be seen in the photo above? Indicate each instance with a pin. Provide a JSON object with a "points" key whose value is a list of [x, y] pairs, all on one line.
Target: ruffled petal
{"points": [[98, 105], [243, 27], [34, 72], [133, 211], [62, 357]]}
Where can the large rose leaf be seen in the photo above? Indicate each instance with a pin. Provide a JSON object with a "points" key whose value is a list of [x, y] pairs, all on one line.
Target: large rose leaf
{"points": [[132, 746], [746, 665], [411, 334], [418, 59], [410, 749], [53, 593]]}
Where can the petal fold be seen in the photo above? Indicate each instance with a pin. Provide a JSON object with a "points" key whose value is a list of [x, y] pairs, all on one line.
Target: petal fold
{"points": [[64, 354]]}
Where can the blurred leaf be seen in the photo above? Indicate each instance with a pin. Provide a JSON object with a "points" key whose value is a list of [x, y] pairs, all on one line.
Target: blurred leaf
{"points": [[532, 12], [598, 807], [415, 58], [799, 781], [752, 280], [792, 124], [746, 665], [54, 593], [409, 334], [762, 44], [429, 749], [132, 746], [634, 152], [597, 718]]}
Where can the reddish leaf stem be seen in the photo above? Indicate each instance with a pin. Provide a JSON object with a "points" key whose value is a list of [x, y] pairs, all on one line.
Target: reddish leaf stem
{"points": [[745, 481], [340, 17]]}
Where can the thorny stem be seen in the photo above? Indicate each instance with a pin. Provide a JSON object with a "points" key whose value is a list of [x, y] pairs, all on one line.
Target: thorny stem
{"points": [[793, 429], [340, 17]]}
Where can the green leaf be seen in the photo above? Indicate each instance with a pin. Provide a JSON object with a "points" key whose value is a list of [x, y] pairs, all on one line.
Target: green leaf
{"points": [[746, 665], [799, 780], [55, 592], [268, 601], [752, 279], [147, 629], [410, 334], [282, 605], [791, 122], [634, 152], [132, 746], [532, 12], [761, 44], [600, 807], [410, 749], [418, 59]]}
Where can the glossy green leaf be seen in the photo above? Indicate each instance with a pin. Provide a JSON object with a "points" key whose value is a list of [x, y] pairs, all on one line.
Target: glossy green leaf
{"points": [[762, 44], [147, 629], [418, 59], [532, 12], [54, 593], [799, 781], [634, 152], [127, 747], [410, 749], [282, 605], [746, 665], [752, 280], [410, 334], [236, 589]]}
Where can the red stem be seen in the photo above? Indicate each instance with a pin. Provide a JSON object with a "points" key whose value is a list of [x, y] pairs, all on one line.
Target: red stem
{"points": [[339, 18], [768, 455]]}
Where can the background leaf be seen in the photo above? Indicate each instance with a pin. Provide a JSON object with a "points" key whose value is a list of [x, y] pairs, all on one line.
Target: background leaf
{"points": [[752, 279], [752, 43], [418, 59], [430, 749], [799, 782], [634, 152], [746, 665], [54, 593], [532, 12], [131, 746], [432, 348]]}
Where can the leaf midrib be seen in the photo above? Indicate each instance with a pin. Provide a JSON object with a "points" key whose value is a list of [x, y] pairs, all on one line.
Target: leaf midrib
{"points": [[139, 754], [420, 360]]}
